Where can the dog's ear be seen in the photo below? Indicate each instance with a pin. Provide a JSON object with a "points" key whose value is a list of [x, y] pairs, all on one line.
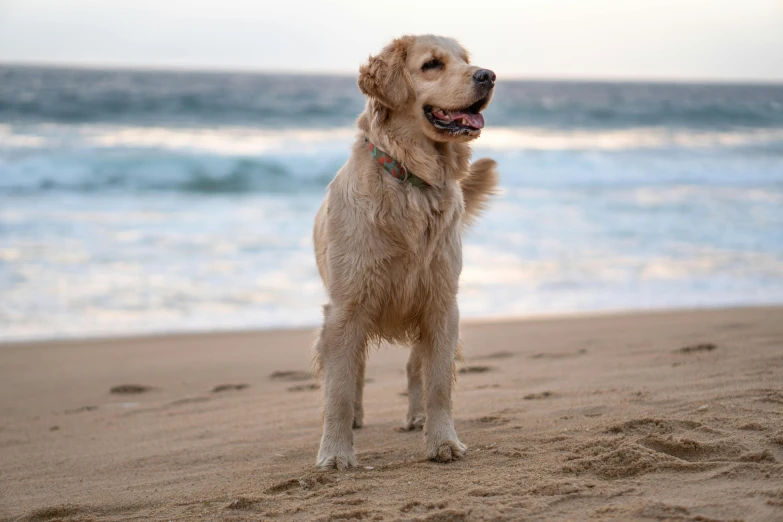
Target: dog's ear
{"points": [[385, 77]]}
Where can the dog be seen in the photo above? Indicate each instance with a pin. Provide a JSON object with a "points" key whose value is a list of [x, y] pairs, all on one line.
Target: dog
{"points": [[388, 237]]}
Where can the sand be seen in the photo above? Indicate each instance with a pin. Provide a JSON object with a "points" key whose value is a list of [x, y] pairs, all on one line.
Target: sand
{"points": [[655, 416]]}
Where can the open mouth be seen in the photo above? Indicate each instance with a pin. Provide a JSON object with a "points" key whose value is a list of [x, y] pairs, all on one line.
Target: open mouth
{"points": [[457, 121]]}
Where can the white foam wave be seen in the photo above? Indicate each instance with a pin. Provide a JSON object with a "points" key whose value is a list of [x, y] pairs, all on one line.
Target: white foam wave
{"points": [[220, 141], [255, 141], [533, 138]]}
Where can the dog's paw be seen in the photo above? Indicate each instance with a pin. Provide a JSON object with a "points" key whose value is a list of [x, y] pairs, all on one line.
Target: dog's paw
{"points": [[336, 460], [414, 423], [447, 451]]}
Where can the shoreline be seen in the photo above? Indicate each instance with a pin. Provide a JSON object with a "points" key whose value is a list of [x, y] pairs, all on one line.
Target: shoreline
{"points": [[466, 321]]}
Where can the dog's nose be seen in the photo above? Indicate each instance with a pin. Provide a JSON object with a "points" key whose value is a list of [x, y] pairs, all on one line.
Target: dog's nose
{"points": [[484, 77]]}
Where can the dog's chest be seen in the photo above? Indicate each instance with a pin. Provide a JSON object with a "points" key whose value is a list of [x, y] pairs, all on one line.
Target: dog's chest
{"points": [[422, 224], [421, 247]]}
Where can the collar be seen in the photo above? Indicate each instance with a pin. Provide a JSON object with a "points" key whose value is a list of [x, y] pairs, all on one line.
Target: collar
{"points": [[395, 168]]}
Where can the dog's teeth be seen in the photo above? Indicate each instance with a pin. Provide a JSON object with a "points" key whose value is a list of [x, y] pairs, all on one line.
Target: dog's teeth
{"points": [[464, 121]]}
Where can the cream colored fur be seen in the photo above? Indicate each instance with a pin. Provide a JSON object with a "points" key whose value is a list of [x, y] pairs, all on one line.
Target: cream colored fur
{"points": [[390, 253]]}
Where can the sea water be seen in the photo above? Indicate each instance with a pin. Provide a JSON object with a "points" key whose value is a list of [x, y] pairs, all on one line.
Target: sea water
{"points": [[138, 202]]}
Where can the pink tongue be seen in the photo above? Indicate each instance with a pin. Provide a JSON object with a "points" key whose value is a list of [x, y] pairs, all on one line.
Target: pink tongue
{"points": [[474, 120]]}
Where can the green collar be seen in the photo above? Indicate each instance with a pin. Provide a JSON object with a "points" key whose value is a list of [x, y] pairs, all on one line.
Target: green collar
{"points": [[396, 169]]}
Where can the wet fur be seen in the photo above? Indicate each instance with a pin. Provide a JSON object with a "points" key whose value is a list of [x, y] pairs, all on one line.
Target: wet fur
{"points": [[390, 254]]}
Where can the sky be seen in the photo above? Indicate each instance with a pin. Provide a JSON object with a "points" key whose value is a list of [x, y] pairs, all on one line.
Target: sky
{"points": [[718, 40]]}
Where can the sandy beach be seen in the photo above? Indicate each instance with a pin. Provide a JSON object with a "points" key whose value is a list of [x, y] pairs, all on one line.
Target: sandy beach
{"points": [[651, 416]]}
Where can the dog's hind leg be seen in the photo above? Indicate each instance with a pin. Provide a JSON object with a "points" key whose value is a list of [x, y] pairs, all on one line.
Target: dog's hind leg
{"points": [[341, 351], [415, 418], [358, 406], [439, 339]]}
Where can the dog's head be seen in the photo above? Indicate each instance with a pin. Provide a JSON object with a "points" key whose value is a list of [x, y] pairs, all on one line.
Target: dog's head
{"points": [[429, 79]]}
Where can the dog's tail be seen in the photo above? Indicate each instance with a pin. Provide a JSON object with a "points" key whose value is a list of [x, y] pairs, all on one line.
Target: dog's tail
{"points": [[478, 187]]}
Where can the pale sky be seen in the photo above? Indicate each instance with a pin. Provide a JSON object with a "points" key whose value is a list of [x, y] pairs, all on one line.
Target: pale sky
{"points": [[612, 39]]}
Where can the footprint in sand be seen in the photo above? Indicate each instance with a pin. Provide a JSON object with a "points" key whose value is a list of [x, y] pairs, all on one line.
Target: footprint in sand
{"points": [[665, 444], [291, 376], [496, 420], [703, 451], [650, 426], [535, 396], [307, 483], [130, 389], [57, 512], [241, 503], [83, 408], [772, 396], [558, 355], [188, 400], [475, 369], [304, 387], [415, 506], [495, 355], [282, 487], [693, 348], [753, 426], [777, 438], [481, 387], [229, 387]]}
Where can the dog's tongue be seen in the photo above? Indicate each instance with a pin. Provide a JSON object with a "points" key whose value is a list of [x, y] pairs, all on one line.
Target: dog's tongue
{"points": [[473, 120]]}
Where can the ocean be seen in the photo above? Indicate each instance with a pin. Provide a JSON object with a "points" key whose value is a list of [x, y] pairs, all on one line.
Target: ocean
{"points": [[144, 202]]}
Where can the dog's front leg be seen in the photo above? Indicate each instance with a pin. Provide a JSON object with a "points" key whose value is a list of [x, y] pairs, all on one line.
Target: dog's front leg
{"points": [[341, 349], [439, 338]]}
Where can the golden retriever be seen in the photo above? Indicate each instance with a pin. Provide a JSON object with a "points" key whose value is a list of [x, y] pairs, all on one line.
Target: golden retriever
{"points": [[388, 237]]}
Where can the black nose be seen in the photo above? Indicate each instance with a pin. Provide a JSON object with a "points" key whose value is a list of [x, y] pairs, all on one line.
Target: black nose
{"points": [[484, 77]]}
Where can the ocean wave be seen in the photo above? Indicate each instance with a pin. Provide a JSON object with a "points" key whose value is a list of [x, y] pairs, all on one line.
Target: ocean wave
{"points": [[231, 140], [49, 95], [52, 157], [181, 173], [237, 140]]}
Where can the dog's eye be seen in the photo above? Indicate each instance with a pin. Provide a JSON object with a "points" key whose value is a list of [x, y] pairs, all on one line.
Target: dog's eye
{"points": [[432, 64]]}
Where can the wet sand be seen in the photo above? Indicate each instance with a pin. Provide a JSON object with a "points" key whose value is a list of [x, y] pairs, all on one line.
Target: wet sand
{"points": [[655, 416]]}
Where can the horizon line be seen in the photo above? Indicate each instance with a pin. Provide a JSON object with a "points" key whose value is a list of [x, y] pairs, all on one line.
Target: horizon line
{"points": [[216, 69]]}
